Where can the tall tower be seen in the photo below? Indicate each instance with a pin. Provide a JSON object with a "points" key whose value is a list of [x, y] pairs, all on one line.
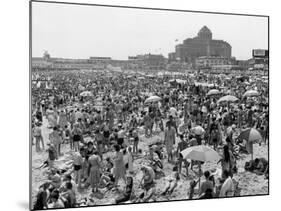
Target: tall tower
{"points": [[205, 33], [46, 55]]}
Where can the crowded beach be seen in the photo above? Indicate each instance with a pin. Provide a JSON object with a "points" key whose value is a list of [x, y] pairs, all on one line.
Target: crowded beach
{"points": [[103, 137]]}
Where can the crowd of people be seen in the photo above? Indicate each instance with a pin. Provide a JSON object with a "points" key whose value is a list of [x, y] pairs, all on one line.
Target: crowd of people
{"points": [[108, 121]]}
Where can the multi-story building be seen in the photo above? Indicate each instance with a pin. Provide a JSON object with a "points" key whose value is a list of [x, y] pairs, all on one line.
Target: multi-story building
{"points": [[209, 61], [201, 45], [149, 61], [260, 60]]}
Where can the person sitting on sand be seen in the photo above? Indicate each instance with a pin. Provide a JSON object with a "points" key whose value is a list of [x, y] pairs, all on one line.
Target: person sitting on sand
{"points": [[208, 194], [154, 159], [192, 186], [147, 183], [260, 166], [55, 178], [107, 177], [172, 182], [67, 178], [128, 191], [55, 200], [207, 184], [242, 146], [41, 197], [68, 196], [227, 188]]}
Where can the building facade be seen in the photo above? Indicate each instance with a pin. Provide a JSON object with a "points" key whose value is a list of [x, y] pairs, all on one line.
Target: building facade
{"points": [[201, 45], [209, 61], [260, 59], [149, 61]]}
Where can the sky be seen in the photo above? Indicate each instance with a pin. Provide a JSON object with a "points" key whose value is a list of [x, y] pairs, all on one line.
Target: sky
{"points": [[79, 31]]}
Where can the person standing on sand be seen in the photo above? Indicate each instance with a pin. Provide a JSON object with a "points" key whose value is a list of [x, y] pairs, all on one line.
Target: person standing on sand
{"points": [[182, 145], [227, 160], [37, 133], [169, 140], [119, 170], [77, 166], [56, 139], [95, 171], [76, 136]]}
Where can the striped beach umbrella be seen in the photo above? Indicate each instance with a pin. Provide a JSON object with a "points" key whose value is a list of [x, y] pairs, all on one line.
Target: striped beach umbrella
{"points": [[251, 135]]}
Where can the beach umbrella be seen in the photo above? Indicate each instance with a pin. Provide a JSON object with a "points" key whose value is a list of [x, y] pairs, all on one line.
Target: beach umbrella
{"points": [[86, 94], [251, 93], [198, 130], [152, 99], [213, 92], [228, 98], [251, 135], [200, 153]]}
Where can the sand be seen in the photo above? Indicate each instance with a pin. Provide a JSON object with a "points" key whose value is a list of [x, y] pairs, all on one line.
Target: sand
{"points": [[249, 183]]}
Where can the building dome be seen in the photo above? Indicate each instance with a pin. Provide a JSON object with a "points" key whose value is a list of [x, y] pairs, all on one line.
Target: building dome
{"points": [[205, 33]]}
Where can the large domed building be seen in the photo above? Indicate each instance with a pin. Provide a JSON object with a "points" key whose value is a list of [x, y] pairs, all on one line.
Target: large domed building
{"points": [[201, 45]]}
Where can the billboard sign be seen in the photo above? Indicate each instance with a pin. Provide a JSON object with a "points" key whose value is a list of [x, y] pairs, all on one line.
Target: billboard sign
{"points": [[260, 53]]}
